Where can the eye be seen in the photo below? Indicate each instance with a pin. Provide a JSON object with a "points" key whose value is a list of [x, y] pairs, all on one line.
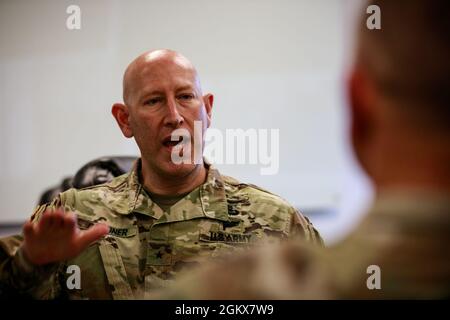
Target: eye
{"points": [[153, 101], [186, 96]]}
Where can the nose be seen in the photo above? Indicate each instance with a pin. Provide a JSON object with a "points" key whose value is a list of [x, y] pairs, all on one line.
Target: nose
{"points": [[173, 118]]}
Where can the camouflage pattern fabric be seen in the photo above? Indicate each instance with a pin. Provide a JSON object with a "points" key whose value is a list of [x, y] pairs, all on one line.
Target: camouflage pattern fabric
{"points": [[146, 246], [405, 235]]}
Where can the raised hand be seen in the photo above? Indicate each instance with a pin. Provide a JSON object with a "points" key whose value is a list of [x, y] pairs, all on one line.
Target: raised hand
{"points": [[56, 237]]}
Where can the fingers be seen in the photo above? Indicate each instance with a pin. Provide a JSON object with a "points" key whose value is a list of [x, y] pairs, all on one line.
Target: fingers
{"points": [[29, 230], [52, 220], [92, 234], [59, 230], [46, 221], [70, 220], [58, 219]]}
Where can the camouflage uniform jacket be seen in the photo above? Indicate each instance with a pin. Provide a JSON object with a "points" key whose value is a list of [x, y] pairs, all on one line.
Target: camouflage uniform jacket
{"points": [[146, 246]]}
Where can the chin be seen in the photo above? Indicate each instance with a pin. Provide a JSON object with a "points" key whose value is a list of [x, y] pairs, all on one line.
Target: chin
{"points": [[177, 170]]}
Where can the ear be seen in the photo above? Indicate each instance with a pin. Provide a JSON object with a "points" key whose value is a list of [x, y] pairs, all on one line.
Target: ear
{"points": [[121, 114], [362, 117], [208, 100]]}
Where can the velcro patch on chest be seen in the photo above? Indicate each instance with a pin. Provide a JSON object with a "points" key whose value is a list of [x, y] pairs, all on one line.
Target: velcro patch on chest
{"points": [[220, 236]]}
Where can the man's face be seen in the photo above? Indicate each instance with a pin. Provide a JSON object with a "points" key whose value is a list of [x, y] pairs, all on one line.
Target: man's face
{"points": [[165, 95]]}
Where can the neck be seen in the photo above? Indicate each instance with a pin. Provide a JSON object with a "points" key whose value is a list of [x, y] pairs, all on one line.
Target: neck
{"points": [[413, 163], [171, 185], [416, 178]]}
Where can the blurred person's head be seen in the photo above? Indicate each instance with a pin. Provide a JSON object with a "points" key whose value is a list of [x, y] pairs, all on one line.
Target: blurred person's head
{"points": [[400, 93], [162, 93]]}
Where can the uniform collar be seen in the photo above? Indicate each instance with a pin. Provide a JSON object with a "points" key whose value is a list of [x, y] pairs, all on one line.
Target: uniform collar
{"points": [[426, 204], [208, 200]]}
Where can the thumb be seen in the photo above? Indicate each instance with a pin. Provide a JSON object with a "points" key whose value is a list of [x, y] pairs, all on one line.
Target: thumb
{"points": [[92, 234]]}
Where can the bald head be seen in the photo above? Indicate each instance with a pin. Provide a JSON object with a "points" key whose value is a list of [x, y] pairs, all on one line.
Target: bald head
{"points": [[162, 96], [152, 63]]}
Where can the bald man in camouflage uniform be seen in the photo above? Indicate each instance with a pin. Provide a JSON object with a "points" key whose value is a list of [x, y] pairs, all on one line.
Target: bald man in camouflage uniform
{"points": [[399, 102], [133, 235]]}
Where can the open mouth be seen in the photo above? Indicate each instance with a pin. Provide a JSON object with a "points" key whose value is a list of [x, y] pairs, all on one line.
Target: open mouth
{"points": [[168, 142]]}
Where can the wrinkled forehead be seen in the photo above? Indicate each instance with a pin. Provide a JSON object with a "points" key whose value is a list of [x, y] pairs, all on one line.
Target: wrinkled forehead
{"points": [[159, 71], [163, 72]]}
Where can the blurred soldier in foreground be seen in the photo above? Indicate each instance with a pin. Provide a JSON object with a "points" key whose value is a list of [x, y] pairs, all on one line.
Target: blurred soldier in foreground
{"points": [[399, 102], [133, 235]]}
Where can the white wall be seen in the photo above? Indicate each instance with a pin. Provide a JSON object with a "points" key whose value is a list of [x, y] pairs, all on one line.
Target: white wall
{"points": [[270, 64]]}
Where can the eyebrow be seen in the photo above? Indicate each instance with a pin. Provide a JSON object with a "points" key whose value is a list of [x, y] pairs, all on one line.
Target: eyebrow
{"points": [[187, 87], [159, 92], [154, 92], [150, 93]]}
